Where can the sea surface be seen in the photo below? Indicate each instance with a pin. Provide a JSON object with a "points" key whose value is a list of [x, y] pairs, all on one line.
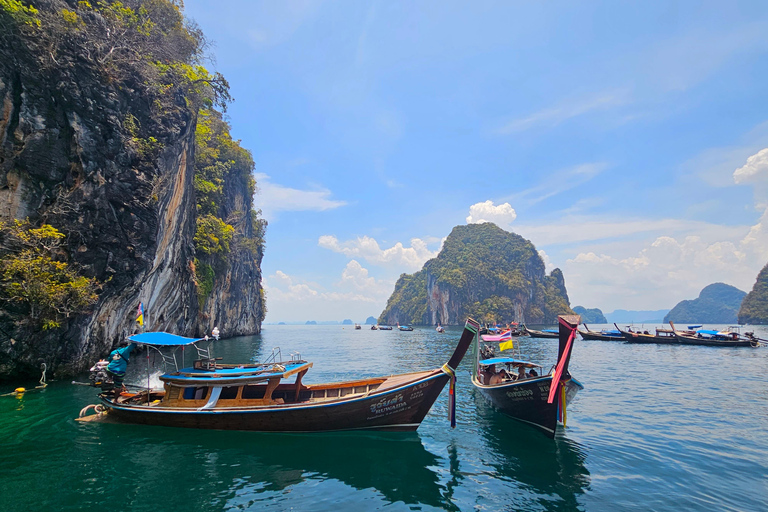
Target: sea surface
{"points": [[657, 427]]}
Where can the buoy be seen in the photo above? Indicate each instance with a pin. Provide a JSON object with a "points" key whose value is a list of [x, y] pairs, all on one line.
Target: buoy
{"points": [[19, 390]]}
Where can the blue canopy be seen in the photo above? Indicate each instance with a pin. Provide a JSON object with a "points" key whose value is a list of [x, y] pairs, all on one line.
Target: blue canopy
{"points": [[694, 326], [711, 333], [505, 360], [550, 330], [162, 339]]}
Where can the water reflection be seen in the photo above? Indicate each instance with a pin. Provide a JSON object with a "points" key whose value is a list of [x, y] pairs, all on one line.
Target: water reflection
{"points": [[242, 469], [553, 473]]}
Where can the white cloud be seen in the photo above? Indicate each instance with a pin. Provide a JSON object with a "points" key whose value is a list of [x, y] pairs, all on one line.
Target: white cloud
{"points": [[502, 215], [357, 295], [666, 271], [410, 258], [755, 169], [357, 277], [273, 198], [671, 268], [548, 265], [560, 181], [555, 115]]}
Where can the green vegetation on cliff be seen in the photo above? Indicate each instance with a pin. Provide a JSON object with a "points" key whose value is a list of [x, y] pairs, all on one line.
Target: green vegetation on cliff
{"points": [[754, 307], [590, 316], [717, 303], [222, 164], [35, 288], [484, 272]]}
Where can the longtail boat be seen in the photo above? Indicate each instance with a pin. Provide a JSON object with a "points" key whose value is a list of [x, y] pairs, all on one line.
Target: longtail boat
{"points": [[711, 338], [604, 335], [255, 397], [546, 333], [662, 336], [521, 389]]}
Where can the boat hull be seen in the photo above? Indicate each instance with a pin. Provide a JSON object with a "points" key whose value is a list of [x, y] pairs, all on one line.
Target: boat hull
{"points": [[637, 337], [398, 409], [526, 401], [600, 337], [542, 334], [705, 342]]}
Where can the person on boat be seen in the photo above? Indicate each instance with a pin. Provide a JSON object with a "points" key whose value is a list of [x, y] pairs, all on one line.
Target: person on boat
{"points": [[215, 333], [521, 373], [533, 373], [118, 364]]}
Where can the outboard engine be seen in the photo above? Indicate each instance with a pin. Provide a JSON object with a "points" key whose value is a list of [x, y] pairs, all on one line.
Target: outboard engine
{"points": [[99, 376]]}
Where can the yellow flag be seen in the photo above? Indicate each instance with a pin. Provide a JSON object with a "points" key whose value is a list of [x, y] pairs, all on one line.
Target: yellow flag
{"points": [[505, 346]]}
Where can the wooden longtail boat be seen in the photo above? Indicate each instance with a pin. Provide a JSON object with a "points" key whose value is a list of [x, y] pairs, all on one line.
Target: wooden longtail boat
{"points": [[662, 336], [253, 396], [531, 397], [603, 335], [710, 338], [547, 333]]}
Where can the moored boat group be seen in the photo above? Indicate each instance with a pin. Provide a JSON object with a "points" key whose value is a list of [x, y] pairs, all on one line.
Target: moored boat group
{"points": [[257, 396], [694, 335]]}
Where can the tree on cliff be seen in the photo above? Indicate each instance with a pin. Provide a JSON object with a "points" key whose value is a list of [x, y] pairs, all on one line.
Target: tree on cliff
{"points": [[35, 288], [754, 307], [484, 272]]}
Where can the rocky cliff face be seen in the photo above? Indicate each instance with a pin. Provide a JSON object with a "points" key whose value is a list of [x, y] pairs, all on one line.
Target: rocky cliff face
{"points": [[107, 157], [754, 308], [484, 272]]}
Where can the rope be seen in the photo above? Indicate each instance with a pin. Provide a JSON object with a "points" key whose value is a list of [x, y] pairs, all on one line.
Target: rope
{"points": [[451, 393], [97, 408], [43, 383]]}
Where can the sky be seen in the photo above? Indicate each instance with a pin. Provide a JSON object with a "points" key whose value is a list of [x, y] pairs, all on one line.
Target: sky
{"points": [[628, 141]]}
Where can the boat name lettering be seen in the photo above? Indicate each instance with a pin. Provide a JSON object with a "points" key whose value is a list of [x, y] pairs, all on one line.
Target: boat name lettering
{"points": [[380, 406], [416, 394], [519, 393]]}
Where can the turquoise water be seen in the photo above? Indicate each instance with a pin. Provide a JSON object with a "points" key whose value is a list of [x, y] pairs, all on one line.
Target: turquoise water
{"points": [[656, 428]]}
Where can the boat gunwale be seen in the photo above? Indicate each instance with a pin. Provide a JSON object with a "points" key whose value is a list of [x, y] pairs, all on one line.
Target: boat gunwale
{"points": [[272, 407]]}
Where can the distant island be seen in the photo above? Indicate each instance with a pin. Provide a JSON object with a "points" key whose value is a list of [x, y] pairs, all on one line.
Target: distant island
{"points": [[717, 303], [482, 272], [754, 307], [590, 316], [370, 320], [346, 322], [310, 322], [624, 316]]}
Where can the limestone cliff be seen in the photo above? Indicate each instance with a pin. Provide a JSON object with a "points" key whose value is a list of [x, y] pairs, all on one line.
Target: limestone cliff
{"points": [[717, 303], [101, 145], [484, 272], [754, 308]]}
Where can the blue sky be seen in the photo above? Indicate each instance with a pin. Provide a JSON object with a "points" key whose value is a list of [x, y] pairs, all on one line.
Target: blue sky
{"points": [[623, 139]]}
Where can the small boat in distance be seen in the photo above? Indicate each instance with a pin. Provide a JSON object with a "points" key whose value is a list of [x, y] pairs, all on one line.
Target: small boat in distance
{"points": [[520, 388], [604, 335], [404, 327], [374, 327], [546, 333], [357, 327], [440, 328], [253, 397], [385, 327]]}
